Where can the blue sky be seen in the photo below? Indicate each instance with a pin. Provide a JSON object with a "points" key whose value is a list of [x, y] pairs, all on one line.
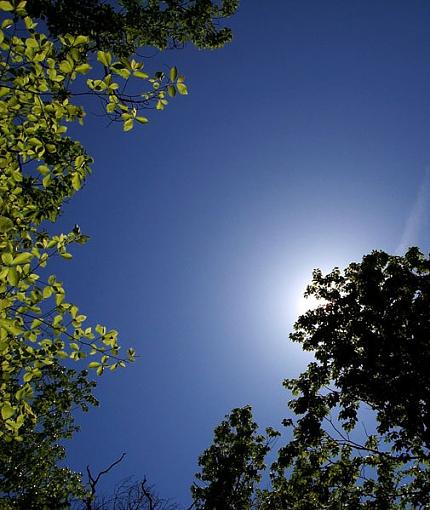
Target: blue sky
{"points": [[303, 144]]}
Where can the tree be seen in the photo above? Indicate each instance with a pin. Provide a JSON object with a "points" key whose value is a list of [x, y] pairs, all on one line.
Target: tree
{"points": [[41, 168], [231, 467], [370, 337], [129, 495], [30, 477], [132, 495], [371, 340], [128, 25]]}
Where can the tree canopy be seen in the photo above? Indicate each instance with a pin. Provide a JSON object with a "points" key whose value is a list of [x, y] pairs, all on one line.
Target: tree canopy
{"points": [[127, 25], [231, 468], [42, 168], [30, 474], [44, 74], [369, 335], [370, 339]]}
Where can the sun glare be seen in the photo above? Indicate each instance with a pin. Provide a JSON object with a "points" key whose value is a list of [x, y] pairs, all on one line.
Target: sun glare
{"points": [[305, 304]]}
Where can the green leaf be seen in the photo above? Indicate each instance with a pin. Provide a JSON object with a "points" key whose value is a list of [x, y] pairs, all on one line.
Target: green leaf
{"points": [[7, 259], [47, 292], [142, 120], [82, 239], [97, 85], [182, 88], [28, 376], [29, 23], [80, 39], [101, 330], [121, 71], [7, 23], [173, 73], [10, 326], [104, 57], [12, 276], [22, 258], [83, 68], [25, 392], [35, 323], [128, 125], [6, 6], [110, 107], [66, 66], [43, 169], [7, 411], [59, 298], [57, 321], [76, 181], [5, 224], [141, 75], [171, 90]]}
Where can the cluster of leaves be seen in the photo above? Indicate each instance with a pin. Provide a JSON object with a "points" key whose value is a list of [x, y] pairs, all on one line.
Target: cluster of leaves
{"points": [[126, 25], [231, 467], [371, 340], [30, 477], [41, 75], [42, 72], [40, 168]]}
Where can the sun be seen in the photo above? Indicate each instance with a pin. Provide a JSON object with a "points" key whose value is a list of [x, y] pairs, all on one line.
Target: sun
{"points": [[305, 304]]}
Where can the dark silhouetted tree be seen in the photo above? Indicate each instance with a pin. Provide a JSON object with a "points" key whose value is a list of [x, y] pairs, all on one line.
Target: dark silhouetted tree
{"points": [[362, 436], [30, 477], [231, 467], [128, 25]]}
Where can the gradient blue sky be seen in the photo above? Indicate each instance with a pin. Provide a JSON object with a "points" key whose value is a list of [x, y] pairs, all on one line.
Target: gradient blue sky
{"points": [[304, 143]]}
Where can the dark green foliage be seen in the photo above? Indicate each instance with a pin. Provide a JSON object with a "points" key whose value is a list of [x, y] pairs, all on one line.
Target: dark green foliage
{"points": [[133, 24], [30, 477], [232, 466], [370, 338], [371, 341]]}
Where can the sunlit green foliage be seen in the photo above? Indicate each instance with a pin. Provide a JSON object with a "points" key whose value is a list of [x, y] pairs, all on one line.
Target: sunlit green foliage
{"points": [[86, 48], [41, 167]]}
